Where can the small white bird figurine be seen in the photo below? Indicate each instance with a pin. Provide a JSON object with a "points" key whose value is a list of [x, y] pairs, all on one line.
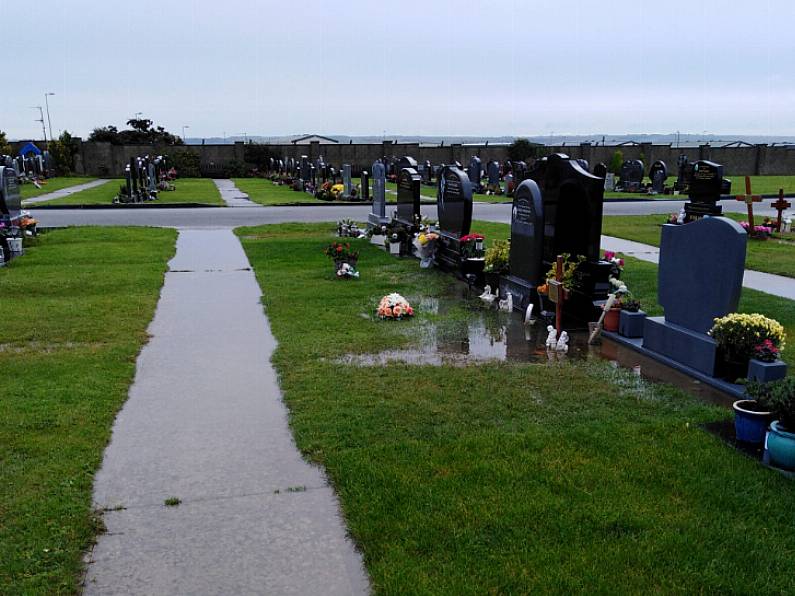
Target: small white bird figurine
{"points": [[507, 304], [563, 342], [487, 296], [552, 337]]}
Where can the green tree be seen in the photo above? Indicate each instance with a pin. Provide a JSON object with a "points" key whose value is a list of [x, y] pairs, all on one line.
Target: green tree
{"points": [[141, 132], [5, 147], [64, 151], [521, 149], [616, 162]]}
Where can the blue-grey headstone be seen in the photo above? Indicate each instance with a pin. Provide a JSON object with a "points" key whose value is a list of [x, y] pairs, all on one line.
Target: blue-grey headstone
{"points": [[475, 171], [701, 271], [493, 171]]}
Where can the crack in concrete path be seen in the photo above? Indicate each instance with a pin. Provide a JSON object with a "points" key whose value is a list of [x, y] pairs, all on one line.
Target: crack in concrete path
{"points": [[205, 423]]}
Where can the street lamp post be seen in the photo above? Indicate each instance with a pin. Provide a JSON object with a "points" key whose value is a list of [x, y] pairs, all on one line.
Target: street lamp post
{"points": [[41, 119], [47, 103]]}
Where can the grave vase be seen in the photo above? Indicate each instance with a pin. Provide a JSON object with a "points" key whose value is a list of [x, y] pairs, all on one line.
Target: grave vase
{"points": [[612, 319], [764, 372], [630, 324]]}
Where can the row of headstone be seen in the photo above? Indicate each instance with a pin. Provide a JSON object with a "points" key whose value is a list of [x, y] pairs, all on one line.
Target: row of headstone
{"points": [[141, 179]]}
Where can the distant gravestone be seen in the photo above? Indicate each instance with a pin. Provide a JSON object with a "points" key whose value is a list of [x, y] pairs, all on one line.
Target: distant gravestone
{"points": [[700, 278], [658, 174], [306, 172], [10, 198], [519, 172], [475, 173], [378, 215], [631, 175], [408, 197], [365, 186], [347, 183], [704, 188], [427, 172], [600, 170], [493, 173], [527, 245], [454, 207], [682, 164]]}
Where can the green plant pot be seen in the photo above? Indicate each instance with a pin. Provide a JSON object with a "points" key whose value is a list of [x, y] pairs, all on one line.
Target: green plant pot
{"points": [[781, 447]]}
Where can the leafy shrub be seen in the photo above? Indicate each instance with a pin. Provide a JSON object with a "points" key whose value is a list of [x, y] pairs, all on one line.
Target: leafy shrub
{"points": [[778, 397], [497, 256], [616, 162]]}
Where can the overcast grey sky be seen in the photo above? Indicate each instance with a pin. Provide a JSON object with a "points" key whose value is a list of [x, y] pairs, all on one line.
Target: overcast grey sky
{"points": [[427, 67]]}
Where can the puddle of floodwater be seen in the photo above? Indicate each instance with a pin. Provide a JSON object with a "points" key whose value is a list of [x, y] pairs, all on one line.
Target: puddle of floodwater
{"points": [[486, 335]]}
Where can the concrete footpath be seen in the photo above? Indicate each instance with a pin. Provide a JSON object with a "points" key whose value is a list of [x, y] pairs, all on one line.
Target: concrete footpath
{"points": [[232, 195], [64, 192], [205, 423], [777, 285]]}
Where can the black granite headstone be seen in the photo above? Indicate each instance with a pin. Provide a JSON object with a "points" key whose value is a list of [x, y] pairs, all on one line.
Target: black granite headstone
{"points": [[408, 199], [475, 173], [700, 278], [365, 186], [454, 205], [705, 186], [658, 174], [631, 175], [527, 246], [600, 170]]}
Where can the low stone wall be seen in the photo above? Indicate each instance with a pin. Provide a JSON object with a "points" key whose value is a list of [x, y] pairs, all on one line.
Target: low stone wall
{"points": [[104, 159]]}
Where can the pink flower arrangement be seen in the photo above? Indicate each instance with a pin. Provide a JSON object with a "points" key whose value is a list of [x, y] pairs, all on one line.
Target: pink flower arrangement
{"points": [[611, 256], [394, 306], [757, 229]]}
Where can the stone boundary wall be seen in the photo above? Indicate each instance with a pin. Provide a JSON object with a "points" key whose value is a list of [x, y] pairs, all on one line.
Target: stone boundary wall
{"points": [[104, 159]]}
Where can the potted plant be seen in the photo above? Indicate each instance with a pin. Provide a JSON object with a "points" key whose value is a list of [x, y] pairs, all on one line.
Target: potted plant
{"points": [[751, 416], [737, 335], [780, 443], [631, 318], [766, 364], [496, 262], [472, 254]]}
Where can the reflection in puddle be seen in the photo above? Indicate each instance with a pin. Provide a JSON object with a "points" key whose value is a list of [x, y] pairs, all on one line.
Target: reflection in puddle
{"points": [[486, 335]]}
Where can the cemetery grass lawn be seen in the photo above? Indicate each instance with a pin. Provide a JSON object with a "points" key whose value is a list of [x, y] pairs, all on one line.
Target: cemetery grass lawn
{"points": [[507, 477], [188, 190], [763, 185], [77, 306], [771, 256], [29, 191], [265, 192]]}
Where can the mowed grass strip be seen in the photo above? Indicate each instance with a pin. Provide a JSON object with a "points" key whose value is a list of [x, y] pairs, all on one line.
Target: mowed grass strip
{"points": [[775, 255], [76, 308], [29, 191], [188, 190], [507, 478]]}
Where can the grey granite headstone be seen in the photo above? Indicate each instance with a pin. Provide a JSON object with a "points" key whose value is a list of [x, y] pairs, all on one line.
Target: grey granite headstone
{"points": [[10, 198], [346, 181], [493, 172], [378, 215]]}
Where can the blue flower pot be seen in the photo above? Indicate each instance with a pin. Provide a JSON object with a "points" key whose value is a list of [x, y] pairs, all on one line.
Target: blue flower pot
{"points": [[781, 447], [750, 426]]}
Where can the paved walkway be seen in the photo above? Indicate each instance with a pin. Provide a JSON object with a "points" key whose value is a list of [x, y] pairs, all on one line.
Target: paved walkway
{"points": [[205, 423], [777, 285], [65, 192], [232, 195]]}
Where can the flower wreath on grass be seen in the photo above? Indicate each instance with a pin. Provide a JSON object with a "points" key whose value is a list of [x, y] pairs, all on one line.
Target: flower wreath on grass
{"points": [[394, 306]]}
